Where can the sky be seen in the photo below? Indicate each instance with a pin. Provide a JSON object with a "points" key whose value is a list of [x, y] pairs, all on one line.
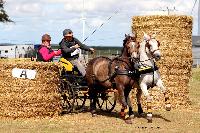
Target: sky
{"points": [[33, 18]]}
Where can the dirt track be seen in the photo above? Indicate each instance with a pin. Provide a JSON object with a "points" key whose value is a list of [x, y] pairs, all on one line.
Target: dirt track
{"points": [[182, 121], [178, 121]]}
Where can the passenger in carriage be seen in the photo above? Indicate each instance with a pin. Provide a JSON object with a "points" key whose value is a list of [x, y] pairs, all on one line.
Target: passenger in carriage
{"points": [[45, 53], [70, 48]]}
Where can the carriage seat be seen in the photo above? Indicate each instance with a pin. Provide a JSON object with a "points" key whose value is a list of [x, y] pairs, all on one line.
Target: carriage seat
{"points": [[68, 67]]}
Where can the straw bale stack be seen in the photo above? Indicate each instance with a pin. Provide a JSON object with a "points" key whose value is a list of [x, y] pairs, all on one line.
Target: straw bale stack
{"points": [[175, 36], [24, 98]]}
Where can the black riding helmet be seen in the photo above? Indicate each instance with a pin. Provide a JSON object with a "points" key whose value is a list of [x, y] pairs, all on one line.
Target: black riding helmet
{"points": [[67, 31]]}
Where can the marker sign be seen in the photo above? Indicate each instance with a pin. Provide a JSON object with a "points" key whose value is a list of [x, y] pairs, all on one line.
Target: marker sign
{"points": [[23, 73]]}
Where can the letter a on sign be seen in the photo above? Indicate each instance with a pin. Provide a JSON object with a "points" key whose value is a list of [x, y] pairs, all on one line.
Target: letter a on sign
{"points": [[23, 73]]}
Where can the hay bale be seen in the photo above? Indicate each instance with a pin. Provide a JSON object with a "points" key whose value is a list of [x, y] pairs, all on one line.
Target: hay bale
{"points": [[24, 98], [175, 35]]}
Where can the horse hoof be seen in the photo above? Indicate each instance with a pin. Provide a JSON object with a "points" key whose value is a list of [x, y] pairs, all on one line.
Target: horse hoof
{"points": [[168, 107], [93, 113], [131, 116], [141, 114], [128, 121], [149, 118]]}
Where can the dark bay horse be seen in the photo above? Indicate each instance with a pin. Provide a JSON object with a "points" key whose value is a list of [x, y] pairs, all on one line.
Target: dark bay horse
{"points": [[103, 73]]}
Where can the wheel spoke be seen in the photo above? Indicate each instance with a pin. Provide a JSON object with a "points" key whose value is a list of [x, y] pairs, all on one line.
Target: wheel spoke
{"points": [[106, 101], [106, 105], [67, 98], [102, 104], [110, 102]]}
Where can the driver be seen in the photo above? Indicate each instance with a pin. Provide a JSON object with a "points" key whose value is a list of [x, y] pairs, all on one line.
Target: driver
{"points": [[70, 48]]}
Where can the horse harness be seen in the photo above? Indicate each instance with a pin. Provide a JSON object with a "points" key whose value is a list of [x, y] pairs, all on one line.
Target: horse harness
{"points": [[148, 46], [130, 73], [148, 69]]}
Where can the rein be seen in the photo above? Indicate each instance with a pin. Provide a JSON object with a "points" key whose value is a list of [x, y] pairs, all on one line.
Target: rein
{"points": [[155, 50], [146, 59]]}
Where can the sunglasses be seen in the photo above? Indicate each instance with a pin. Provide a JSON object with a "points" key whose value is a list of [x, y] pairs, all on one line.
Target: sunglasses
{"points": [[47, 41]]}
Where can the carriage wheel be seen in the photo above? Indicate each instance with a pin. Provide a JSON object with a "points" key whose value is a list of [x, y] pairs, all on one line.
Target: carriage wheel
{"points": [[67, 97], [62, 71], [106, 101], [80, 99]]}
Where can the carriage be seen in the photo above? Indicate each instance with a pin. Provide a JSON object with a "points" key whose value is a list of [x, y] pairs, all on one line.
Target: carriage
{"points": [[119, 73], [74, 91]]}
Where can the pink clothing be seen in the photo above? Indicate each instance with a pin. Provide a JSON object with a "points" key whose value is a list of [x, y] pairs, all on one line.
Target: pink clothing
{"points": [[44, 51], [57, 52], [45, 54]]}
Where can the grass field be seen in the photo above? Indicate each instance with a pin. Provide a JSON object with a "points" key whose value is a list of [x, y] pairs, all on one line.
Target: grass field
{"points": [[179, 121]]}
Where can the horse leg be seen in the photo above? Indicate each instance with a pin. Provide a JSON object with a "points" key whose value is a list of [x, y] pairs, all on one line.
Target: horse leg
{"points": [[164, 91], [138, 96], [143, 86], [128, 101], [124, 110], [93, 98]]}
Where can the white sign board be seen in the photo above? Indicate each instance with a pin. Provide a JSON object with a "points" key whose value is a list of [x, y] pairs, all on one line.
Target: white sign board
{"points": [[23, 73]]}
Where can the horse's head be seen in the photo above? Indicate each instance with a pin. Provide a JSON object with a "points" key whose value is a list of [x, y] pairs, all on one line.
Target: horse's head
{"points": [[153, 46], [131, 45]]}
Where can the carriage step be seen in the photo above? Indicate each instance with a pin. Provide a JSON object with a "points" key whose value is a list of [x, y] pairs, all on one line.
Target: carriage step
{"points": [[80, 87]]}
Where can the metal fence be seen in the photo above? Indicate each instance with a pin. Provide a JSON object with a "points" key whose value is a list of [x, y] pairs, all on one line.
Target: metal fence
{"points": [[113, 53], [196, 62]]}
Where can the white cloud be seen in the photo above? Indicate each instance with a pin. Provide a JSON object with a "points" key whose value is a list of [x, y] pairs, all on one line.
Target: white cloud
{"points": [[53, 16], [74, 21], [96, 22], [29, 8], [8, 27], [22, 7]]}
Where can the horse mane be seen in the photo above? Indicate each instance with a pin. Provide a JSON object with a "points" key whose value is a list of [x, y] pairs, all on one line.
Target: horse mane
{"points": [[158, 43], [124, 43]]}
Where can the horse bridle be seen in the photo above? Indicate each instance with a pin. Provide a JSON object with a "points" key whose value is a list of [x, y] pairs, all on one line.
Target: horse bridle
{"points": [[135, 50], [148, 46]]}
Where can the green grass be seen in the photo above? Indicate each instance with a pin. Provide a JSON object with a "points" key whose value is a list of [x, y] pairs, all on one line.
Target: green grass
{"points": [[194, 91]]}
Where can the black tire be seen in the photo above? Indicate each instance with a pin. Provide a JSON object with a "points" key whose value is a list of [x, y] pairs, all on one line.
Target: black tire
{"points": [[106, 101], [80, 100], [67, 97]]}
